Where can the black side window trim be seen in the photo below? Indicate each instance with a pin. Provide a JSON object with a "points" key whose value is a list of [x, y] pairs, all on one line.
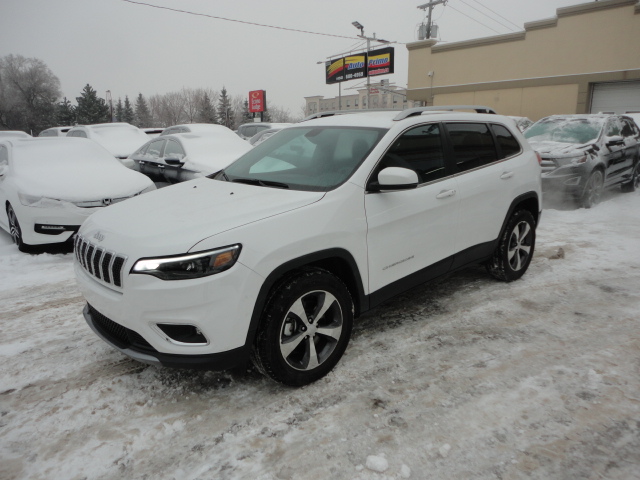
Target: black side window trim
{"points": [[501, 154]]}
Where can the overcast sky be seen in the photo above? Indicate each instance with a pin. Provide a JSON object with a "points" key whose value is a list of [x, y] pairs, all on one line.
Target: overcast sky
{"points": [[131, 48]]}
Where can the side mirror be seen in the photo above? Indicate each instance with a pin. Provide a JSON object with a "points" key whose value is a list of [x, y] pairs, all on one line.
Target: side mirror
{"points": [[175, 161], [615, 140], [395, 178]]}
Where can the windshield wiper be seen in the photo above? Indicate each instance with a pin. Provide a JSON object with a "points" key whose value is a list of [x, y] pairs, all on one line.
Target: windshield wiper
{"points": [[260, 183]]}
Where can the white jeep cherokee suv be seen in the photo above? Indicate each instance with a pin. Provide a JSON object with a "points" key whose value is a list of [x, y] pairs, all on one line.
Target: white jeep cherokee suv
{"points": [[272, 258]]}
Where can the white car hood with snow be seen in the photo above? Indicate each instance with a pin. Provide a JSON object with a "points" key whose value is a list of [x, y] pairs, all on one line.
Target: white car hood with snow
{"points": [[173, 219]]}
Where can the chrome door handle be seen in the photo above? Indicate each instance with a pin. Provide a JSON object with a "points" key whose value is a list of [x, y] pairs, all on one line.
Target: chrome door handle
{"points": [[506, 175], [446, 194]]}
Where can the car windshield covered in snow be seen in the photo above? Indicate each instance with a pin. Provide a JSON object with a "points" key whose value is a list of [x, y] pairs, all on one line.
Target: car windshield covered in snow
{"points": [[311, 158], [35, 155], [566, 130]]}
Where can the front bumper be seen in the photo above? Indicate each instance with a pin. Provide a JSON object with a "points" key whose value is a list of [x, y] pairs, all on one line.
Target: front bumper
{"points": [[219, 307], [565, 180], [42, 226], [134, 346]]}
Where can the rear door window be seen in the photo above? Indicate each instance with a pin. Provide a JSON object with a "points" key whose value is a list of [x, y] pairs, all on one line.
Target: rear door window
{"points": [[507, 143], [472, 145]]}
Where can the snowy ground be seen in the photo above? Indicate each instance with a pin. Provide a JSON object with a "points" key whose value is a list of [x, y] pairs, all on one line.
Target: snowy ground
{"points": [[463, 378]]}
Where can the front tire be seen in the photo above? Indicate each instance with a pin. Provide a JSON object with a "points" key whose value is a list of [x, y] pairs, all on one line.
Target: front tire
{"points": [[592, 190], [514, 252], [305, 328], [15, 230]]}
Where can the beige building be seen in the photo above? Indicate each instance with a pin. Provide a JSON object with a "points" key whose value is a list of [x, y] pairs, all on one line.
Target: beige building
{"points": [[380, 96], [585, 59]]}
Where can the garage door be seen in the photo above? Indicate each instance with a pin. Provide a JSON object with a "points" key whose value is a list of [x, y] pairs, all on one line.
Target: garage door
{"points": [[620, 97]]}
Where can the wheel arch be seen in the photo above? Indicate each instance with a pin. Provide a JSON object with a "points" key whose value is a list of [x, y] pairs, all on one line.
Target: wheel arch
{"points": [[527, 201], [337, 261]]}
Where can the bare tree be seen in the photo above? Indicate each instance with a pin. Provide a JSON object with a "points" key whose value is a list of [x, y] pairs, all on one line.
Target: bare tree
{"points": [[29, 92]]}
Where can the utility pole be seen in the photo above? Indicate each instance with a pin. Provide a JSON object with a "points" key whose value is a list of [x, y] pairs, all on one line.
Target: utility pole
{"points": [[430, 6], [368, 39]]}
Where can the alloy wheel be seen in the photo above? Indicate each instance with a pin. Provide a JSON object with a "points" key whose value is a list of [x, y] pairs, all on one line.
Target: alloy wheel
{"points": [[311, 330], [520, 244]]}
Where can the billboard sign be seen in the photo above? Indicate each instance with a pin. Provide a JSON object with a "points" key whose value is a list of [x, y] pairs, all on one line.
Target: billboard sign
{"points": [[361, 65], [380, 62], [257, 101], [334, 70], [355, 66]]}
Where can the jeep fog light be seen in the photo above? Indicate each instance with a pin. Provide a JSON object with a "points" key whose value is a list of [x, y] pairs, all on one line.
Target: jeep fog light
{"points": [[183, 334], [187, 266]]}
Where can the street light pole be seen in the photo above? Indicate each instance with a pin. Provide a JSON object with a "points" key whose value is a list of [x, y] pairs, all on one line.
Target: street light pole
{"points": [[368, 39]]}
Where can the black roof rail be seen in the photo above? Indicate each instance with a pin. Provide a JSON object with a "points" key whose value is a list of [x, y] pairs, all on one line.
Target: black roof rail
{"points": [[410, 112], [331, 113]]}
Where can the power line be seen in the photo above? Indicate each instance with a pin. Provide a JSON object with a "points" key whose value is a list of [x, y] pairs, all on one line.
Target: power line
{"points": [[237, 21], [490, 18], [475, 20], [496, 13]]}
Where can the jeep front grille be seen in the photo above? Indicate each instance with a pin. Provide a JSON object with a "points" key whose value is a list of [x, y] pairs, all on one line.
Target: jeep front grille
{"points": [[98, 262]]}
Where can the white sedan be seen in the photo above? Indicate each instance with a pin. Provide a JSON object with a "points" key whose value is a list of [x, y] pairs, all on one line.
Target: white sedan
{"points": [[121, 139], [49, 186]]}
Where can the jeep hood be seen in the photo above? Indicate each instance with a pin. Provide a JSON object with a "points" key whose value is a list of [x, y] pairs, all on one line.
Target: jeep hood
{"points": [[173, 219]]}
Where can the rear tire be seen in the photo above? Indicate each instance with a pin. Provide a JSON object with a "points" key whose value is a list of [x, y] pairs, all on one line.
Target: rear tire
{"points": [[305, 328], [514, 252], [634, 183]]}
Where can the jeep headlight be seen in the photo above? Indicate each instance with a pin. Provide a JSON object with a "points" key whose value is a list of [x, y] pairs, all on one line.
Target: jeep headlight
{"points": [[193, 265]]}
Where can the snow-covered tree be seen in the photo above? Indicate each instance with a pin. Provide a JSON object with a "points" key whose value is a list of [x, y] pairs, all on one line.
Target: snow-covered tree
{"points": [[225, 112], [66, 113], [119, 110], [206, 112], [28, 94], [142, 113], [127, 112], [91, 109]]}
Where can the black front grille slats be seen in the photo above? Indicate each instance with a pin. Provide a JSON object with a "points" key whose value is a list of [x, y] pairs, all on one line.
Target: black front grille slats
{"points": [[122, 337], [98, 262]]}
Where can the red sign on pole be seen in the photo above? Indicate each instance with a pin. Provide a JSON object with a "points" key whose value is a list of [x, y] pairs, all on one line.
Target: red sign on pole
{"points": [[257, 101]]}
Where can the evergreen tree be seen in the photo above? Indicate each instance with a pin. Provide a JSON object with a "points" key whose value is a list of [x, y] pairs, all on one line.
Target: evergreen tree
{"points": [[142, 115], [127, 114], [91, 109], [66, 113], [247, 116], [119, 110], [225, 112], [206, 111]]}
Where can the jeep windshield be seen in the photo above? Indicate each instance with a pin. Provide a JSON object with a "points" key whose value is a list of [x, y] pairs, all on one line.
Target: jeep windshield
{"points": [[304, 158]]}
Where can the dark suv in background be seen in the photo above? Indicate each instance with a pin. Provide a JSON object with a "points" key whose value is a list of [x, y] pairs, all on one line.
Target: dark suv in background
{"points": [[583, 154]]}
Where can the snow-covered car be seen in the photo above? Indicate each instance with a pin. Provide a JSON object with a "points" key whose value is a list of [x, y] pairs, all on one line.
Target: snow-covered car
{"points": [[152, 132], [186, 156], [635, 116], [54, 132], [261, 136], [119, 138], [6, 134], [522, 122], [582, 154], [49, 186], [200, 129], [248, 130], [272, 257]]}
